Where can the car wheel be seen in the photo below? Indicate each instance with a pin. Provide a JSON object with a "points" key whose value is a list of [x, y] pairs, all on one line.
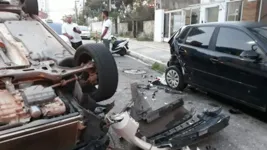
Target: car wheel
{"points": [[31, 7], [105, 69], [175, 78]]}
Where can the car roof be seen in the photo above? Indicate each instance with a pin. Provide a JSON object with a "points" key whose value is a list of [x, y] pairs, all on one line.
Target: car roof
{"points": [[238, 24]]}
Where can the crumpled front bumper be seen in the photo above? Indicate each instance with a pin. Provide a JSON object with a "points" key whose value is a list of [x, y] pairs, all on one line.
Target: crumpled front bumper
{"points": [[170, 125], [192, 131]]}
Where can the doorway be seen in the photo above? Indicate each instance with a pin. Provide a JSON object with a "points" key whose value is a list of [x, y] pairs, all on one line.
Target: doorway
{"points": [[173, 21], [212, 14]]}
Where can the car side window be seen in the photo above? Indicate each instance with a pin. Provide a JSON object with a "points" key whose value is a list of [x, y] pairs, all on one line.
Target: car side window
{"points": [[200, 37], [182, 35], [233, 41]]}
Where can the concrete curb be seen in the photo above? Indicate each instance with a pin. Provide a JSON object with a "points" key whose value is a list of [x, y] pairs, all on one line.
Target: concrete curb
{"points": [[148, 60]]}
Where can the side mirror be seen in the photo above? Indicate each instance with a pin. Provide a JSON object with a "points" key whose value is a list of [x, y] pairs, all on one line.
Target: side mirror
{"points": [[250, 55]]}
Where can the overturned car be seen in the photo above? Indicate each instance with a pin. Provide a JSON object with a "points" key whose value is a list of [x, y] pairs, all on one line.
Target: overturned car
{"points": [[48, 90]]}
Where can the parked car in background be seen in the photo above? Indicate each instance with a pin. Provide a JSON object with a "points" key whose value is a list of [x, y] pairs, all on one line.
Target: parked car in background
{"points": [[86, 34], [57, 27], [228, 59]]}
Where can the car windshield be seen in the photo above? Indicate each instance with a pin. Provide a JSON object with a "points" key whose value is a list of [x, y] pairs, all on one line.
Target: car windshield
{"points": [[83, 28], [56, 27], [260, 32]]}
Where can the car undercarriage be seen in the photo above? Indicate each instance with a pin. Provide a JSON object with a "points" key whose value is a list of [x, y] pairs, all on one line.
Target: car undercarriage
{"points": [[46, 86]]}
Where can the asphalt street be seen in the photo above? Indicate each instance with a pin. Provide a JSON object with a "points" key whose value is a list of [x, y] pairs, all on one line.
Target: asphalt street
{"points": [[247, 131]]}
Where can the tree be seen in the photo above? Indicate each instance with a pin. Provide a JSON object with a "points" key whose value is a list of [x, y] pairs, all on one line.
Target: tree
{"points": [[138, 10], [133, 10], [81, 19]]}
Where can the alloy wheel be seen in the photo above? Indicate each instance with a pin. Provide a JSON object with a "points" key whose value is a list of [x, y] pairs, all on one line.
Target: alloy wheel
{"points": [[172, 78]]}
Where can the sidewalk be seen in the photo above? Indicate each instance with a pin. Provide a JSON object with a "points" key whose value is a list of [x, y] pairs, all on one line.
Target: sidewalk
{"points": [[150, 52]]}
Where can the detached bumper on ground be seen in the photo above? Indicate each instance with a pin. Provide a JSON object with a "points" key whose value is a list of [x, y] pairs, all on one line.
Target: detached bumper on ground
{"points": [[192, 130], [166, 123]]}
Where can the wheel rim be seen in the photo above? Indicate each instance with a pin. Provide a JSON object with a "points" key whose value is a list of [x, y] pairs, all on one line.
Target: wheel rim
{"points": [[172, 78], [84, 76]]}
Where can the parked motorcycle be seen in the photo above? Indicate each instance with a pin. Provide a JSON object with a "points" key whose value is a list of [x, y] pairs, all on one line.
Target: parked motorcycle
{"points": [[119, 46]]}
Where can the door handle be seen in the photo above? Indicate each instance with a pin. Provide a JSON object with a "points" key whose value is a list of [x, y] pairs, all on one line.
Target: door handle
{"points": [[214, 60]]}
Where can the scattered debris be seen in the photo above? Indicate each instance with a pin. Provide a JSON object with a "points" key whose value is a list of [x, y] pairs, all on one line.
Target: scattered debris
{"points": [[158, 119], [193, 89], [187, 148], [134, 71], [162, 79], [169, 90], [235, 111], [159, 81], [210, 148], [154, 95], [213, 105], [190, 103], [156, 82], [144, 76]]}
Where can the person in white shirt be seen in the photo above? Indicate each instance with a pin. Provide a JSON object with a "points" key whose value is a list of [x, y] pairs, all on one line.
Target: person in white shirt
{"points": [[106, 29], [71, 30]]}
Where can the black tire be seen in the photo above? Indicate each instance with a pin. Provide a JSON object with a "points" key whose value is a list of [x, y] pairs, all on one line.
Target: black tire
{"points": [[123, 52], [178, 83], [68, 62], [106, 69], [31, 7]]}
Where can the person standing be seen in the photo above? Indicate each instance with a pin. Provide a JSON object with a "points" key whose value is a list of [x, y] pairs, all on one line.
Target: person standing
{"points": [[71, 30], [106, 29]]}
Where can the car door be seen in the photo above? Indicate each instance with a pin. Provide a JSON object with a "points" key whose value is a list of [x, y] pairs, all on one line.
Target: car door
{"points": [[196, 55], [239, 77]]}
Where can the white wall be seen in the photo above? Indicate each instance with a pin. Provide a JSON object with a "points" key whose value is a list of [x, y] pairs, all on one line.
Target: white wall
{"points": [[158, 25], [149, 27], [96, 27]]}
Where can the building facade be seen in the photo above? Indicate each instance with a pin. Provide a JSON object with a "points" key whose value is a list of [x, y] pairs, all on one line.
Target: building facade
{"points": [[170, 15], [43, 5]]}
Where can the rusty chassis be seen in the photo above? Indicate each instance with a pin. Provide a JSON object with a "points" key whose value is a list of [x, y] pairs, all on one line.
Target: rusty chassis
{"points": [[47, 70]]}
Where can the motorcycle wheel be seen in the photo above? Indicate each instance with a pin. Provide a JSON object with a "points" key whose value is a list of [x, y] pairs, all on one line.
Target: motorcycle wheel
{"points": [[123, 52]]}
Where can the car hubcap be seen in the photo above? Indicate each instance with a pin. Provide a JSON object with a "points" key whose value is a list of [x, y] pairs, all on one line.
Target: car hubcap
{"points": [[172, 78]]}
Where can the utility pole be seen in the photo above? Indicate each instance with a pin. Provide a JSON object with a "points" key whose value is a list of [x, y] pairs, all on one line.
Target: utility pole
{"points": [[109, 5], [76, 11]]}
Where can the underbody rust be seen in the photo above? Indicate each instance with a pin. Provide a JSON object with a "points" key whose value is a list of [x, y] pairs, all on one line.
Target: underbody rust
{"points": [[12, 109], [38, 104]]}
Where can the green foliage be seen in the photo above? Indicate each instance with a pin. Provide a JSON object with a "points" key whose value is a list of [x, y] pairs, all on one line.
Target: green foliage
{"points": [[81, 19], [134, 10], [158, 67]]}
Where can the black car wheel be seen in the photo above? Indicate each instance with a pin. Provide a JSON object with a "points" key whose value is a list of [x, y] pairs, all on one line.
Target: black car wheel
{"points": [[106, 70], [175, 78], [30, 7]]}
